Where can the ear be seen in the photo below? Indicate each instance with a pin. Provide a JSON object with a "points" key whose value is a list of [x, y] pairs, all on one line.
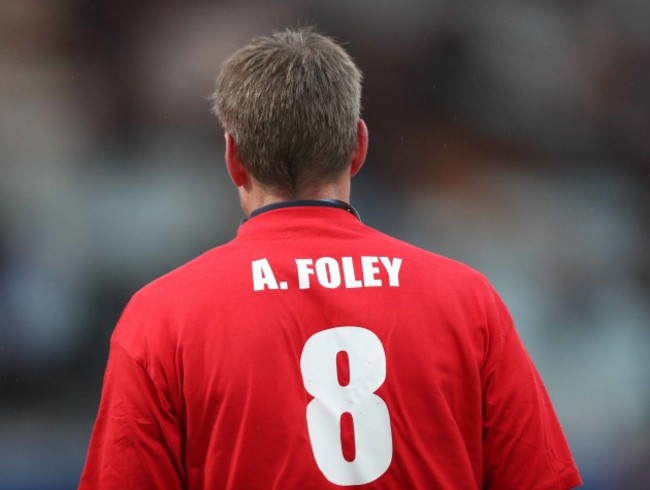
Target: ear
{"points": [[360, 152], [236, 169]]}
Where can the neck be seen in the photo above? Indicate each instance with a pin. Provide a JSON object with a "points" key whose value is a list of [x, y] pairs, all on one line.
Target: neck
{"points": [[258, 196]]}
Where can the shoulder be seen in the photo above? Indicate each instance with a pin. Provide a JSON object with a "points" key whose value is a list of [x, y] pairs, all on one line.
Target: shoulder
{"points": [[151, 311], [437, 279], [186, 278], [431, 263]]}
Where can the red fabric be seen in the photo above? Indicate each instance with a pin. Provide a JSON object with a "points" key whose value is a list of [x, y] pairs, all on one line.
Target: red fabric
{"points": [[204, 388]]}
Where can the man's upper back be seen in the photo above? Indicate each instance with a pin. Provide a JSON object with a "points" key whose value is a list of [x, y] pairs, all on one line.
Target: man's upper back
{"points": [[315, 352]]}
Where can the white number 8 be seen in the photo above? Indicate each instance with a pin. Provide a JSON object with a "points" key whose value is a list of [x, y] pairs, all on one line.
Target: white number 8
{"points": [[372, 433]]}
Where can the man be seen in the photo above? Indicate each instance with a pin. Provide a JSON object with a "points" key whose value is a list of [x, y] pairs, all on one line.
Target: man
{"points": [[313, 351]]}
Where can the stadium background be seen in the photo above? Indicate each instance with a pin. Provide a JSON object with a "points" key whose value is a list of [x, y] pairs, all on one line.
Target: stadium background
{"points": [[513, 135]]}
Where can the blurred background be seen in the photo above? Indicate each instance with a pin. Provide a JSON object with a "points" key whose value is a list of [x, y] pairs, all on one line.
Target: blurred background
{"points": [[513, 135]]}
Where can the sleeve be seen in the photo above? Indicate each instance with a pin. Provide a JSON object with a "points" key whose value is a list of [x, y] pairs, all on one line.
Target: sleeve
{"points": [[136, 441], [523, 444]]}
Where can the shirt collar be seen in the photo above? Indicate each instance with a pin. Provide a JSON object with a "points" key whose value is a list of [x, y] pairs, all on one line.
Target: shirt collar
{"points": [[328, 203]]}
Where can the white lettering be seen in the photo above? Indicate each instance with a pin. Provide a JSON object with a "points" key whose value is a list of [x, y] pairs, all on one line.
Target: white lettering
{"points": [[263, 277], [305, 270], [328, 272], [348, 272], [370, 270], [392, 268], [333, 273]]}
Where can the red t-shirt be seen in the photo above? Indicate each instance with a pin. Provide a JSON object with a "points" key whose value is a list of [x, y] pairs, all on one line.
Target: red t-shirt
{"points": [[315, 352]]}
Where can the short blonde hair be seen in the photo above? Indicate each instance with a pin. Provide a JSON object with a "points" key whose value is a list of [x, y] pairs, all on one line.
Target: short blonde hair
{"points": [[291, 101]]}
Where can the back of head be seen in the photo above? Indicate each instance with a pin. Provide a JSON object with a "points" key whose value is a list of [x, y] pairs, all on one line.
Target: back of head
{"points": [[291, 101]]}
